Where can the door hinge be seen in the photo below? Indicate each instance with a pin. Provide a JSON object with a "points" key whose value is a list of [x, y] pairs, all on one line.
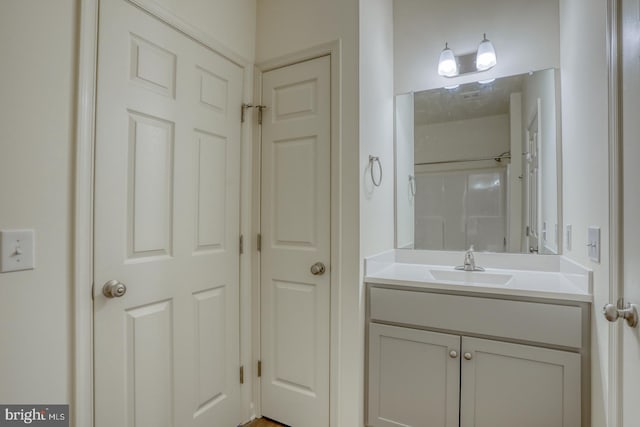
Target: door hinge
{"points": [[260, 109], [259, 368], [243, 111], [259, 242], [241, 374], [526, 233], [241, 244]]}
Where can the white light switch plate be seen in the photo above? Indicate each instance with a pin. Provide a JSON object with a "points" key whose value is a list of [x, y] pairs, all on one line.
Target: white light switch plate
{"points": [[17, 249], [593, 243]]}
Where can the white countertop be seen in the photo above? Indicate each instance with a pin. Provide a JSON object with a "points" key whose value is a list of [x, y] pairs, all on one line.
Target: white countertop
{"points": [[558, 278]]}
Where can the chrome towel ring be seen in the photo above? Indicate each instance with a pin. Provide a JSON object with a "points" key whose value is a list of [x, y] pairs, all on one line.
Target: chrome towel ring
{"points": [[372, 161]]}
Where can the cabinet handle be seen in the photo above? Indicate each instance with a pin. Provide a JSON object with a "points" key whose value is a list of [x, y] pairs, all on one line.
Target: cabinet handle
{"points": [[453, 354], [468, 356]]}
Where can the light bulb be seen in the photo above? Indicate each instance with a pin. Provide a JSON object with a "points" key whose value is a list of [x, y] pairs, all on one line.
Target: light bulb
{"points": [[447, 65], [486, 56]]}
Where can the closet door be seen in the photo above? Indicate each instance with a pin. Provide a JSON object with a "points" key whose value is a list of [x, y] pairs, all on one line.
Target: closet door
{"points": [[414, 377], [167, 204], [296, 243]]}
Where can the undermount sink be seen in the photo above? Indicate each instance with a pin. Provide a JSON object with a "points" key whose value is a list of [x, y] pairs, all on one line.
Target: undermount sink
{"points": [[472, 277]]}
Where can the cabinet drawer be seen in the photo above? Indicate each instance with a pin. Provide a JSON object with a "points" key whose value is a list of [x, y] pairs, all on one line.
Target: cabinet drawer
{"points": [[528, 321]]}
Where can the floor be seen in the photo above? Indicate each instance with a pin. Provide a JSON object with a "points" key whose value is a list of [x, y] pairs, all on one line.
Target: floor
{"points": [[263, 422]]}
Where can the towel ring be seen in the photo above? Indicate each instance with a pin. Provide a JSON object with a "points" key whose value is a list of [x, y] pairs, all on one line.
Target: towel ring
{"points": [[372, 160], [412, 185]]}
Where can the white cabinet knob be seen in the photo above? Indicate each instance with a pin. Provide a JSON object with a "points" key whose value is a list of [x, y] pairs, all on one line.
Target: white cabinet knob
{"points": [[468, 356]]}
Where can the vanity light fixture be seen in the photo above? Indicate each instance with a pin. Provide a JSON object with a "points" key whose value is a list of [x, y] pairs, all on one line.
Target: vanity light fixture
{"points": [[486, 55], [450, 65], [447, 65]]}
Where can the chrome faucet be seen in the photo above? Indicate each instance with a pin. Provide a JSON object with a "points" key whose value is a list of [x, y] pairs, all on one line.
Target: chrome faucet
{"points": [[469, 262]]}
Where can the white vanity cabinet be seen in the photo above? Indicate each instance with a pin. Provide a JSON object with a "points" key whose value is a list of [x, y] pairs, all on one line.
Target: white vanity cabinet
{"points": [[413, 380], [443, 360]]}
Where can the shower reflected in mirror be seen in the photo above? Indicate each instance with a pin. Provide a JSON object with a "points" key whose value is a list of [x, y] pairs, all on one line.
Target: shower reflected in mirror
{"points": [[478, 164]]}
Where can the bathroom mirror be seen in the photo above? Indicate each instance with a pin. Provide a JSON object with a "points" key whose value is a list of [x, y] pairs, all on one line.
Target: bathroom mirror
{"points": [[478, 164]]}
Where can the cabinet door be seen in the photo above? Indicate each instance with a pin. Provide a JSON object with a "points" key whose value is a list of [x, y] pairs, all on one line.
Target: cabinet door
{"points": [[506, 385], [414, 377]]}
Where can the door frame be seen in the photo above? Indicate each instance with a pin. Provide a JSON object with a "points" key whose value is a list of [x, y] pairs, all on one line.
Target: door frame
{"points": [[614, 39], [333, 50], [82, 395]]}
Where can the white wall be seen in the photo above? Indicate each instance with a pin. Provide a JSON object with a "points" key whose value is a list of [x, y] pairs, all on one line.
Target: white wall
{"points": [[585, 163], [405, 199], [462, 139], [376, 125], [229, 22], [286, 27], [37, 46], [524, 33], [38, 41]]}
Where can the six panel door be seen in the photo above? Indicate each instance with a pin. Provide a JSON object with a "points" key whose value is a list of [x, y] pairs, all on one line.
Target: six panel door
{"points": [[166, 225], [295, 224]]}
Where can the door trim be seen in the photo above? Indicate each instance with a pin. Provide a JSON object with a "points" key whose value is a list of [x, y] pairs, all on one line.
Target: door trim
{"points": [[82, 394], [614, 410], [333, 50]]}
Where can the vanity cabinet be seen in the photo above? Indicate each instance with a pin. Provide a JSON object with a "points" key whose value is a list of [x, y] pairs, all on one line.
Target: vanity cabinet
{"points": [[413, 380], [440, 360]]}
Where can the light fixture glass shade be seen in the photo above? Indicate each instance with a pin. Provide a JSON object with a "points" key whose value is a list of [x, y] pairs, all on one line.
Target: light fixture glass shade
{"points": [[447, 65], [486, 56]]}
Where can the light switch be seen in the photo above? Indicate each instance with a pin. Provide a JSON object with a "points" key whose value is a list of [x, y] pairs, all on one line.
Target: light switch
{"points": [[17, 249], [593, 243]]}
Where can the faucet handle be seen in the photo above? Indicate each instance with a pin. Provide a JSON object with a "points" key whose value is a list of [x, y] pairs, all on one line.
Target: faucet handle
{"points": [[471, 248]]}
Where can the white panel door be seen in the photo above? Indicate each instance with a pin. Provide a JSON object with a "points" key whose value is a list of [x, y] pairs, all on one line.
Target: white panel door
{"points": [[295, 223], [166, 225], [631, 209], [414, 378], [506, 385]]}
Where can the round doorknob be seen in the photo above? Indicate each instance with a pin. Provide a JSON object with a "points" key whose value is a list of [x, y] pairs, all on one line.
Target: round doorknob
{"points": [[468, 356], [114, 289], [610, 312], [453, 354], [318, 269], [628, 312]]}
